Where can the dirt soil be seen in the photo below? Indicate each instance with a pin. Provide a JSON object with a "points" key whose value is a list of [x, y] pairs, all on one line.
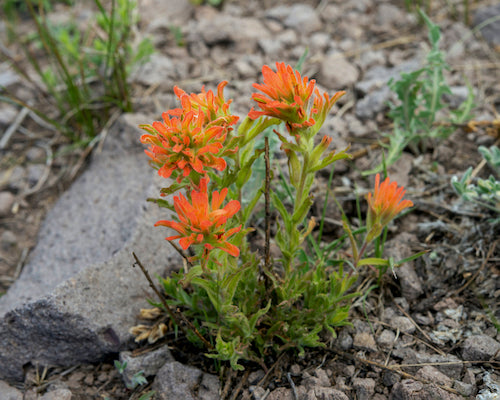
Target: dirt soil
{"points": [[422, 317]]}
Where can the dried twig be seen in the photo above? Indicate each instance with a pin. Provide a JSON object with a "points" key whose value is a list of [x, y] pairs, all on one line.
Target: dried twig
{"points": [[169, 309], [392, 368], [430, 346], [227, 385], [413, 322], [292, 385], [238, 388], [483, 265], [13, 127]]}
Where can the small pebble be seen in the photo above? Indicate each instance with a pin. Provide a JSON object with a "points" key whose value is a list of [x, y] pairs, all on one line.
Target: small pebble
{"points": [[403, 324], [386, 339], [6, 203], [365, 341]]}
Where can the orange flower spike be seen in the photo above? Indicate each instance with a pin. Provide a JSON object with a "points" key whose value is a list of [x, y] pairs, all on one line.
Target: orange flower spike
{"points": [[285, 95], [204, 223], [384, 204], [183, 143], [214, 107]]}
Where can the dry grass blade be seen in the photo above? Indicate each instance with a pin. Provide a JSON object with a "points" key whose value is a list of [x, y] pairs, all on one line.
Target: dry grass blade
{"points": [[13, 127], [483, 265]]}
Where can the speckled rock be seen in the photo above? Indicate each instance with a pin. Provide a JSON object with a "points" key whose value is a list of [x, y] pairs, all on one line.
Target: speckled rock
{"points": [[480, 348]]}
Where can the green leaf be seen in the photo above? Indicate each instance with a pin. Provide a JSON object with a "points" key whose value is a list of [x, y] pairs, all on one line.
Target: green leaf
{"points": [[373, 261], [282, 210], [299, 215], [410, 258]]}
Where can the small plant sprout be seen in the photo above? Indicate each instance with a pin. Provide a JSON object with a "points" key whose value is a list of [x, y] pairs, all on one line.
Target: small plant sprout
{"points": [[420, 102], [239, 304], [483, 192], [138, 379]]}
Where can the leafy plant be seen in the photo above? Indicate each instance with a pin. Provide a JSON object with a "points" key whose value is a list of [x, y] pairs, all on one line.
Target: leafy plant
{"points": [[241, 305], [138, 379], [420, 94], [484, 192], [85, 75]]}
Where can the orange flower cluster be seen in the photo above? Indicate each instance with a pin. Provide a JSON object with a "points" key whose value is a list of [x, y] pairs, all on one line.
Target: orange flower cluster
{"points": [[203, 223], [191, 138], [287, 96], [384, 204]]}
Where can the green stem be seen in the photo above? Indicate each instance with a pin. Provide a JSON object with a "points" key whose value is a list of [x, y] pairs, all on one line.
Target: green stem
{"points": [[303, 176]]}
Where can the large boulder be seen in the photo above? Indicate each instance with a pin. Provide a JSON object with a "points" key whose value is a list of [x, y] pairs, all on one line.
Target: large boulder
{"points": [[79, 294]]}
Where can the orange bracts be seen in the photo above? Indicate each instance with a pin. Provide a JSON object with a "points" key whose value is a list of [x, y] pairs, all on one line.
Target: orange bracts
{"points": [[214, 107], [203, 223], [286, 95], [384, 204], [191, 138]]}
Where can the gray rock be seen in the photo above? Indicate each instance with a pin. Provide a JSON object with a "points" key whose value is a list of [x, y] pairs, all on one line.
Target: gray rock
{"points": [[77, 298], [164, 13], [465, 389], [403, 324], [319, 41], [6, 202], [10, 393], [7, 76], [365, 341], [318, 379], [480, 348], [400, 248], [35, 172], [337, 73], [449, 364], [373, 103], [490, 30], [149, 363], [17, 178], [36, 154], [270, 46], [8, 114], [364, 387], [390, 378], [303, 18], [409, 389], [371, 58], [177, 381], [345, 340], [280, 393], [377, 77], [386, 339], [388, 14], [300, 17], [158, 70], [220, 29], [58, 394], [8, 239], [322, 393], [432, 374], [258, 392]]}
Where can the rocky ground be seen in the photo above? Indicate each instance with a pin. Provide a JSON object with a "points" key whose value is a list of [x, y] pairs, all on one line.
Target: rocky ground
{"points": [[432, 331]]}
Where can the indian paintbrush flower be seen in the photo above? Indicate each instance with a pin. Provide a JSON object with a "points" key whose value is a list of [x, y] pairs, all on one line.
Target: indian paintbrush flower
{"points": [[191, 138], [215, 108], [287, 95], [202, 222], [384, 204]]}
